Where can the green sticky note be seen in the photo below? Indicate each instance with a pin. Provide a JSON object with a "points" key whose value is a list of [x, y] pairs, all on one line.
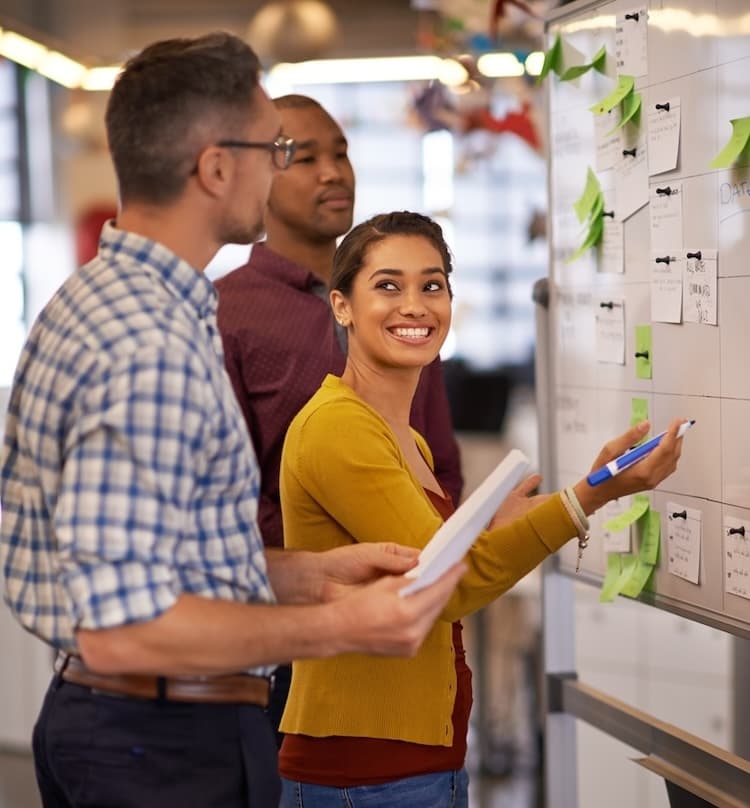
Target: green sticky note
{"points": [[631, 107], [586, 201], [594, 237], [643, 353], [629, 563], [599, 62], [737, 143], [598, 206], [637, 580], [650, 538], [552, 60], [596, 63], [638, 410], [625, 85], [639, 506], [609, 584]]}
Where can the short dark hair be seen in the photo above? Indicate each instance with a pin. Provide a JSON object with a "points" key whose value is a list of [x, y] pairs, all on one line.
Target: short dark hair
{"points": [[171, 100], [352, 252]]}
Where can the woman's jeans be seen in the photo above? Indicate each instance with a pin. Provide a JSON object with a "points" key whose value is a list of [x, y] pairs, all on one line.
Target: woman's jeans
{"points": [[438, 790]]}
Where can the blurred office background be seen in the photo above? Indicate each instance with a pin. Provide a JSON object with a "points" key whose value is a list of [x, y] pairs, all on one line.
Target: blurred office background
{"points": [[459, 139]]}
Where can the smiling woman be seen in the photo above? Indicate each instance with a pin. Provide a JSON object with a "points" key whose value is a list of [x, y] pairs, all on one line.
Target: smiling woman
{"points": [[393, 732]]}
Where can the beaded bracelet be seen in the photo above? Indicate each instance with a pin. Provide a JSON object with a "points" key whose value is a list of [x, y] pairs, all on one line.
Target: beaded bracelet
{"points": [[579, 519]]}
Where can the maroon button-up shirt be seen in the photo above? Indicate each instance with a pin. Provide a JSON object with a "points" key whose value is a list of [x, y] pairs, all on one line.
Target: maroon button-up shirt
{"points": [[279, 344]]}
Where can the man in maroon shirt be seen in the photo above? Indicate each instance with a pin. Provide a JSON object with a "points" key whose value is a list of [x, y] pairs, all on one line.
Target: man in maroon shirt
{"points": [[280, 338]]}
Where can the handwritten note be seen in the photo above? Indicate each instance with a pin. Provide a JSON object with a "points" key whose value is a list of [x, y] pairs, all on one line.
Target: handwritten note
{"points": [[666, 287], [737, 557], [612, 246], [699, 287], [631, 176], [684, 529], [665, 215], [663, 135], [610, 331], [631, 41], [607, 139]]}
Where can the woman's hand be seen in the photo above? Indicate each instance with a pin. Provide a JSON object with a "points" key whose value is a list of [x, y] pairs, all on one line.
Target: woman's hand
{"points": [[641, 476], [519, 502]]}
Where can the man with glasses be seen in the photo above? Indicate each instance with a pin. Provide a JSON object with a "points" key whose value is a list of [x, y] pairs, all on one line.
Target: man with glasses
{"points": [[129, 487], [280, 338]]}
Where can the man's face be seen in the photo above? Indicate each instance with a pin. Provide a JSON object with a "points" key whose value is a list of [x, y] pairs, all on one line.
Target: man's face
{"points": [[254, 170], [313, 199]]}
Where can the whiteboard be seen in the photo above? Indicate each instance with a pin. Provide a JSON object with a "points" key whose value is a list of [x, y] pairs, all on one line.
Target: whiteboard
{"points": [[698, 54]]}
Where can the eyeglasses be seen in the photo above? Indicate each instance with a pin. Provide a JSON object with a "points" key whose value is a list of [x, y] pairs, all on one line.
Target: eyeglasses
{"points": [[282, 149]]}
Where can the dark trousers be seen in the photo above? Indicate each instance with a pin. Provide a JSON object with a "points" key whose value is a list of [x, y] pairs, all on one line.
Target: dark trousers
{"points": [[93, 750], [282, 680]]}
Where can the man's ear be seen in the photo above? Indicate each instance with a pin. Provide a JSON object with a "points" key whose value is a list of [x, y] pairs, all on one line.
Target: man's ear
{"points": [[214, 169]]}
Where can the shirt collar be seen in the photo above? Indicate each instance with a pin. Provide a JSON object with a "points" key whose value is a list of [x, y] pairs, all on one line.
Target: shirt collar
{"points": [[270, 263], [177, 275]]}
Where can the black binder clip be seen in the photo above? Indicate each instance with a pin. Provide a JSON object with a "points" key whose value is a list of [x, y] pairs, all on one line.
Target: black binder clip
{"points": [[664, 106], [663, 259], [740, 530], [695, 255], [679, 515], [641, 354], [634, 16], [664, 191], [609, 213], [607, 305], [631, 152]]}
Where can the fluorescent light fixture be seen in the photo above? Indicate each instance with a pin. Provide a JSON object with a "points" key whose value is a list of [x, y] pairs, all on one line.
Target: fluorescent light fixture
{"points": [[100, 78], [345, 71], [60, 68], [452, 73], [21, 49], [534, 62], [500, 65]]}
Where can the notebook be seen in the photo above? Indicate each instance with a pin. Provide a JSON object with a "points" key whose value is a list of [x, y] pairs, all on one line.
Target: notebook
{"points": [[456, 535]]}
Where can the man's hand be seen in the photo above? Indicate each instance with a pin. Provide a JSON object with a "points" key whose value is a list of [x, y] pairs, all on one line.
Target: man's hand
{"points": [[376, 619], [519, 502], [343, 568]]}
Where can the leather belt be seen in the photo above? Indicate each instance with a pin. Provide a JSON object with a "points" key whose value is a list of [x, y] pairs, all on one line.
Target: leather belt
{"points": [[237, 688]]}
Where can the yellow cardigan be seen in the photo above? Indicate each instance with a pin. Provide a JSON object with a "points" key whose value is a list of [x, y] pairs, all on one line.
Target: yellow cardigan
{"points": [[344, 479]]}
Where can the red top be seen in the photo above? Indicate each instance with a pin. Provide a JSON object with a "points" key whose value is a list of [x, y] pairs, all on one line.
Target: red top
{"points": [[279, 345], [343, 761]]}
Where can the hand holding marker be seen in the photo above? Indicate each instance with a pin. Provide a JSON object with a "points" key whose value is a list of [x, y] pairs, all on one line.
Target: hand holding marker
{"points": [[631, 456]]}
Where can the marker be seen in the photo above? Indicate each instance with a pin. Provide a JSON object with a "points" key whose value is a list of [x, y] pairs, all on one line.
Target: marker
{"points": [[631, 456]]}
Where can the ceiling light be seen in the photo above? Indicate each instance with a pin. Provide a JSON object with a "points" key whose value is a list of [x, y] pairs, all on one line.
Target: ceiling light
{"points": [[500, 65], [61, 69], [100, 78], [20, 49]]}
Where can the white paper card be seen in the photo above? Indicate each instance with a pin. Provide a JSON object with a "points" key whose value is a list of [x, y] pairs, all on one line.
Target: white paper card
{"points": [[631, 42], [456, 535], [612, 247], [666, 287], [607, 141], [665, 216], [631, 176], [699, 287], [736, 557], [610, 331], [684, 526], [663, 135]]}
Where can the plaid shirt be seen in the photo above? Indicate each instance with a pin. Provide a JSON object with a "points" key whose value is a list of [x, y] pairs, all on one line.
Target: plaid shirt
{"points": [[127, 473]]}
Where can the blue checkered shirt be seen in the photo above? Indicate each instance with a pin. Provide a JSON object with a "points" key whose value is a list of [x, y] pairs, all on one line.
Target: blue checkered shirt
{"points": [[127, 473]]}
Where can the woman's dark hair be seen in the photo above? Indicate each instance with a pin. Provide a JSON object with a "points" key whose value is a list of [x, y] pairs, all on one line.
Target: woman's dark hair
{"points": [[352, 252], [170, 101]]}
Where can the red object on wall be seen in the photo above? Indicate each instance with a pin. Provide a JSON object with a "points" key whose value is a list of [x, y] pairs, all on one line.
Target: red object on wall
{"points": [[88, 228]]}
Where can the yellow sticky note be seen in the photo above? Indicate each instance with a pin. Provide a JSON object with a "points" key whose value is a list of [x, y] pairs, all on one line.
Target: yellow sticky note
{"points": [[637, 579], [609, 584], [650, 538], [643, 353], [587, 199], [625, 85], [638, 410], [630, 516], [736, 144]]}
